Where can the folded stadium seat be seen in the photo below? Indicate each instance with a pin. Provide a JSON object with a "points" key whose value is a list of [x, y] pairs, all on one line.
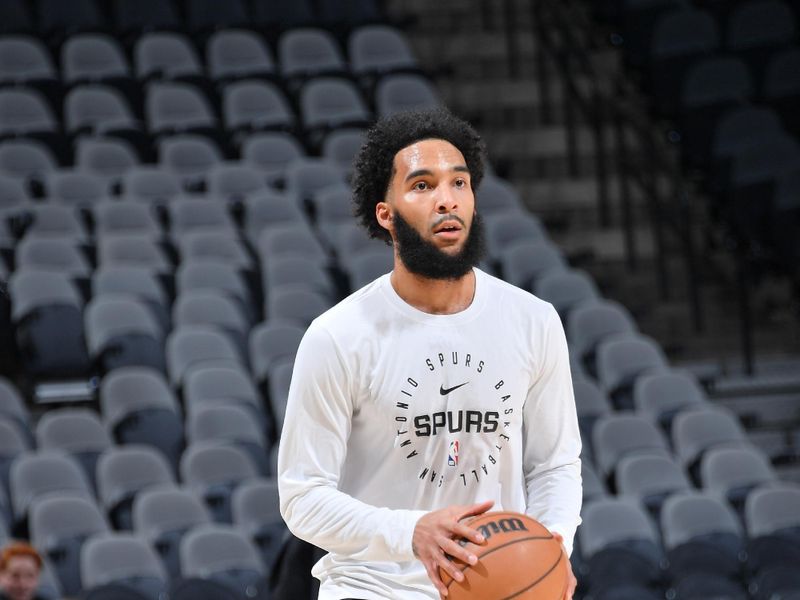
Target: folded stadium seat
{"points": [[174, 107], [213, 470], [681, 36], [124, 559], [328, 104], [165, 55], [269, 209], [757, 28], [108, 157], [591, 322], [332, 205], [201, 244], [271, 342], [366, 266], [162, 515], [199, 346], [222, 385], [46, 310], [215, 309], [234, 181], [53, 254], [58, 19], [13, 442], [132, 250], [140, 282], [223, 554], [189, 157], [13, 408], [621, 359], [780, 86], [495, 195], [341, 146], [299, 271], [772, 519], [306, 176], [217, 276], [566, 290], [26, 160], [660, 396], [277, 15], [25, 60], [620, 544], [144, 15], [279, 378], [102, 110], [24, 112], [734, 472], [593, 486], [253, 105], [591, 404], [77, 431], [237, 54], [622, 434], [208, 15], [524, 261], [503, 228], [309, 52], [125, 471], [229, 424], [350, 238], [93, 57], [293, 239], [696, 430], [256, 512], [199, 214], [139, 407], [710, 87], [13, 197], [402, 92], [271, 152], [56, 222], [152, 184], [37, 474], [650, 479], [126, 217], [297, 305], [59, 527], [75, 188], [122, 331], [375, 50]]}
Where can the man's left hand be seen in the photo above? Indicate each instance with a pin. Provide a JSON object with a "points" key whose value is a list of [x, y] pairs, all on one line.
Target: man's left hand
{"points": [[571, 581]]}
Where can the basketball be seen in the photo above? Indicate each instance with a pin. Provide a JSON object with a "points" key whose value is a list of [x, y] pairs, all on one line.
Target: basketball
{"points": [[520, 559]]}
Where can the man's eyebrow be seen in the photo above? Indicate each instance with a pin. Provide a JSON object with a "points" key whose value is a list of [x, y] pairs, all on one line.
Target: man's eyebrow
{"points": [[421, 172]]}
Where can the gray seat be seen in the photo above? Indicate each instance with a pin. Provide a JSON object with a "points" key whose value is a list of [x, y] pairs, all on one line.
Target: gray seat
{"points": [[97, 109], [172, 107], [701, 533], [662, 395], [268, 209], [24, 59], [77, 431], [503, 229], [304, 177], [309, 52], [110, 158], [139, 407], [294, 239], [233, 182], [188, 156], [190, 214], [122, 331], [237, 53], [219, 385], [51, 221], [496, 195], [734, 472], [618, 435], [379, 49], [328, 103], [152, 184], [698, 429], [566, 290], [270, 342], [403, 92], [367, 266], [132, 250], [195, 346], [223, 554], [123, 558], [59, 527], [332, 206], [341, 146], [254, 105], [350, 238], [525, 261], [139, 282], [126, 217], [591, 404], [215, 276], [229, 424], [34, 475], [773, 526], [593, 486], [26, 159], [256, 512], [590, 323], [271, 152], [13, 442], [46, 309], [298, 271], [621, 359], [56, 255], [165, 55], [93, 57], [213, 471], [13, 196], [650, 479], [75, 188], [298, 305], [25, 111], [13, 408], [279, 379], [163, 515], [124, 472], [215, 309]]}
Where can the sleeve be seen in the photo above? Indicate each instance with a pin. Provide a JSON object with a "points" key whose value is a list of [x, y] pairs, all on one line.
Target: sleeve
{"points": [[552, 442], [312, 451]]}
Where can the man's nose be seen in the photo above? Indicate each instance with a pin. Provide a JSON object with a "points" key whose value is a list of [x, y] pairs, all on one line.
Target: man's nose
{"points": [[446, 199]]}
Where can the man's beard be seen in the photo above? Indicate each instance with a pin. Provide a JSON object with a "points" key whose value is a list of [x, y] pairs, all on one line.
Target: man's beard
{"points": [[423, 258]]}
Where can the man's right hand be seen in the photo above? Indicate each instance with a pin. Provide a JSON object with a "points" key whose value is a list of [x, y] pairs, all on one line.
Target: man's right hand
{"points": [[434, 539]]}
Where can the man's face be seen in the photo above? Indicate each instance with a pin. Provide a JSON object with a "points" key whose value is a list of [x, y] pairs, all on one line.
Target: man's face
{"points": [[20, 578], [430, 211]]}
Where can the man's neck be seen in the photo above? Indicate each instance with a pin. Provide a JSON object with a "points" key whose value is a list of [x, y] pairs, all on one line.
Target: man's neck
{"points": [[433, 296]]}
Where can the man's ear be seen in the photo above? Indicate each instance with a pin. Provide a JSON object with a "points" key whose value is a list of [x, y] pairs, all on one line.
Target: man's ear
{"points": [[384, 214]]}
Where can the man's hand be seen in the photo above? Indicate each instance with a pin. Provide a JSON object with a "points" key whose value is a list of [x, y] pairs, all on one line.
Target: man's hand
{"points": [[433, 539], [572, 582]]}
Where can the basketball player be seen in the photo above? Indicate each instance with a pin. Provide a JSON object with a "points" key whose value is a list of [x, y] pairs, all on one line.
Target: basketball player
{"points": [[432, 394]]}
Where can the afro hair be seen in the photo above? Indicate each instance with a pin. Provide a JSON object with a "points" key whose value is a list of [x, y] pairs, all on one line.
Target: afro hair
{"points": [[374, 164]]}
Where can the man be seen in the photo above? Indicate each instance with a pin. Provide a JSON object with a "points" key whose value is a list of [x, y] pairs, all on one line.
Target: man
{"points": [[20, 566], [432, 394]]}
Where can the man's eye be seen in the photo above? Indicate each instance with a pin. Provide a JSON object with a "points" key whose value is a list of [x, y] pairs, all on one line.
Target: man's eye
{"points": [[420, 186], [460, 183]]}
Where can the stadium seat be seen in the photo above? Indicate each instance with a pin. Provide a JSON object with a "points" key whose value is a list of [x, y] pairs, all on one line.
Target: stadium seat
{"points": [[367, 266], [662, 395], [590, 323], [300, 272], [496, 195], [52, 254], [524, 261], [279, 379], [650, 479], [229, 424], [622, 434], [13, 442], [695, 431], [217, 276], [379, 49], [51, 221], [13, 408], [132, 250], [237, 54], [233, 182], [126, 217], [734, 472], [304, 177], [100, 110], [330, 103], [188, 156], [593, 486], [25, 112], [198, 346], [174, 107], [124, 559], [25, 59], [290, 238], [296, 305], [253, 105], [13, 196], [26, 159], [164, 55], [151, 184], [403, 92], [566, 290], [309, 52], [270, 342], [199, 214], [223, 385], [772, 519], [591, 404], [75, 188], [256, 512], [215, 309], [341, 146], [271, 152], [505, 228], [93, 57], [332, 205], [108, 157], [699, 586], [139, 282], [621, 359]]}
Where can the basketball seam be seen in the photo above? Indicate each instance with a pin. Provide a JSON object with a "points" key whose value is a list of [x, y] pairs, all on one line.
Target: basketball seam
{"points": [[525, 589], [500, 547]]}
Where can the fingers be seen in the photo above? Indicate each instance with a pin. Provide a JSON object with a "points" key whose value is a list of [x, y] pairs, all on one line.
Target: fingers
{"points": [[455, 550], [468, 533], [475, 509], [433, 575]]}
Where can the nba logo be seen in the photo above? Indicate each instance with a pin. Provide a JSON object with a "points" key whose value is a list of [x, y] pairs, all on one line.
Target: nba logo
{"points": [[452, 457]]}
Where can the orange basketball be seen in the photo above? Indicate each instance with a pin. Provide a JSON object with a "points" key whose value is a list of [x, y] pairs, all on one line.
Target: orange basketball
{"points": [[520, 559]]}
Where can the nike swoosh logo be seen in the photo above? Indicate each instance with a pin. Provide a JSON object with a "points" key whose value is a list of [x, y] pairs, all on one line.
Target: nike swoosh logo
{"points": [[444, 391]]}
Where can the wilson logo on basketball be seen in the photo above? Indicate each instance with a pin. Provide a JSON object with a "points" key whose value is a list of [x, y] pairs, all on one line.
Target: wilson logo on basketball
{"points": [[501, 526]]}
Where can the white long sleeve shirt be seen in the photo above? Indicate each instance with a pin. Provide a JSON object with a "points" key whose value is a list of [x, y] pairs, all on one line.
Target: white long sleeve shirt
{"points": [[393, 412]]}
